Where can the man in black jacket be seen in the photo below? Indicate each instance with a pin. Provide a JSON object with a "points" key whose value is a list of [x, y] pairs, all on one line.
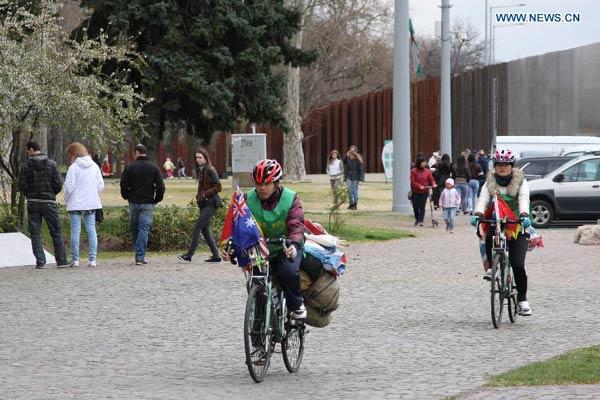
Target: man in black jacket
{"points": [[40, 182], [143, 187]]}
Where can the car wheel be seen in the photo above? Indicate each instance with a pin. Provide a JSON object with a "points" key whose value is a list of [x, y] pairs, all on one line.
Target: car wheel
{"points": [[542, 213]]}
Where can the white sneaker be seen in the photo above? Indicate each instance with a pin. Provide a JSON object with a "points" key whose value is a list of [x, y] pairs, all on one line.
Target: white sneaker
{"points": [[488, 275], [300, 313], [76, 263], [92, 264], [524, 308]]}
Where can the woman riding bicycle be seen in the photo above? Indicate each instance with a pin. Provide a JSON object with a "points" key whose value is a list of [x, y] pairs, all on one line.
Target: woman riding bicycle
{"points": [[510, 184], [278, 212]]}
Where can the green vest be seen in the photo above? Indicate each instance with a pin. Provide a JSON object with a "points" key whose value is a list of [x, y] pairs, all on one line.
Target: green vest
{"points": [[273, 224]]}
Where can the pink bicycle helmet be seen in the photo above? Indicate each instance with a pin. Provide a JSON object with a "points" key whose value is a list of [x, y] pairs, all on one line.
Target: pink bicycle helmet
{"points": [[504, 156]]}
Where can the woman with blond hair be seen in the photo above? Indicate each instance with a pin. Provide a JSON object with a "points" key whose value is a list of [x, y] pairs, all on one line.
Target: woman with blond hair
{"points": [[82, 187]]}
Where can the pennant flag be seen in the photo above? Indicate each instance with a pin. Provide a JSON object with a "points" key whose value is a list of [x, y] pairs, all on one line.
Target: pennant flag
{"points": [[243, 230], [416, 59], [502, 210]]}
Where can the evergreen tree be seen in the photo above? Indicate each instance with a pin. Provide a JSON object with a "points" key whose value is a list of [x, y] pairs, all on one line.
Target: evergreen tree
{"points": [[210, 62]]}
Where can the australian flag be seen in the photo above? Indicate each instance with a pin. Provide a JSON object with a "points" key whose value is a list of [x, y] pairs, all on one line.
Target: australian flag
{"points": [[242, 228]]}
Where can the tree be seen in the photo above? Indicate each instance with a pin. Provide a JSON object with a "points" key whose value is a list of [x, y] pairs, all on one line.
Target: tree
{"points": [[47, 80], [467, 51], [355, 50], [210, 63]]}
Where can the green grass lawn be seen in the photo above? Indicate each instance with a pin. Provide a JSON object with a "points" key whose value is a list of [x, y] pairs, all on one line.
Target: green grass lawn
{"points": [[581, 366]]}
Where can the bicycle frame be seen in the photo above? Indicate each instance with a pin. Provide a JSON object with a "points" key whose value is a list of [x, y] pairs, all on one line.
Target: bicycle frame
{"points": [[260, 274], [499, 247]]}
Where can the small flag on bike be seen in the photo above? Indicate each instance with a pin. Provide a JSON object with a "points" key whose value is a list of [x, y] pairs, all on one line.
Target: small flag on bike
{"points": [[242, 228], [512, 230]]}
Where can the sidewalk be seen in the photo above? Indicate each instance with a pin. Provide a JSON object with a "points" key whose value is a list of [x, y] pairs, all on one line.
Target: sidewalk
{"points": [[414, 323]]}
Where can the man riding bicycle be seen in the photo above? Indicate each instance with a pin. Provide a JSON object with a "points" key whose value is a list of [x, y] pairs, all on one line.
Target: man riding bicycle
{"points": [[278, 212], [512, 187]]}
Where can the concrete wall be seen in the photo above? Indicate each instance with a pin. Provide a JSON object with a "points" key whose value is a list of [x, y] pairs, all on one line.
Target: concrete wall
{"points": [[556, 93]]}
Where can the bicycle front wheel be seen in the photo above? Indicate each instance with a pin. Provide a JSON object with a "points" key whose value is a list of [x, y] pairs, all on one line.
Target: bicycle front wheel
{"points": [[512, 298], [292, 345], [256, 334], [497, 290]]}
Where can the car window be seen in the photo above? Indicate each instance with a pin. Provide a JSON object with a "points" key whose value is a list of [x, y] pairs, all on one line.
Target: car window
{"points": [[584, 171], [552, 165], [535, 168]]}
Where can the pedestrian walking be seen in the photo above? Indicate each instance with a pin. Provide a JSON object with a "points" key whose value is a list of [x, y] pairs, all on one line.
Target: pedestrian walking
{"points": [[181, 169], [462, 175], [169, 168], [40, 182], [443, 171], [354, 173], [483, 162], [449, 203], [143, 187], [335, 171], [476, 173], [420, 179], [83, 184], [209, 202]]}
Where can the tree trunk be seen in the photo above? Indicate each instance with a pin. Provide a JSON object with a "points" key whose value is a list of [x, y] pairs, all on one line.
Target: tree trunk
{"points": [[293, 154]]}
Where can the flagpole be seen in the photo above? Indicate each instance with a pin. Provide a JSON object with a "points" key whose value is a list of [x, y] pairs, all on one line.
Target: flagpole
{"points": [[445, 110], [401, 109]]}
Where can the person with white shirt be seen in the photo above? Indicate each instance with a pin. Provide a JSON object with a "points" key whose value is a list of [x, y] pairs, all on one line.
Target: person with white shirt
{"points": [[335, 171], [82, 187]]}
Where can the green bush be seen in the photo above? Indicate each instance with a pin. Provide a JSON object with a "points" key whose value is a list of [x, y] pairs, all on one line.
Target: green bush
{"points": [[8, 223], [172, 226]]}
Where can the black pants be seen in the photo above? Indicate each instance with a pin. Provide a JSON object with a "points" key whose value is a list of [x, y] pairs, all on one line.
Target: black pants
{"points": [[203, 225], [287, 273], [517, 249], [419, 200]]}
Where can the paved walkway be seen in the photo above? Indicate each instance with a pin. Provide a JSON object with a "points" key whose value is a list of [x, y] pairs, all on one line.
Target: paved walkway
{"points": [[414, 323]]}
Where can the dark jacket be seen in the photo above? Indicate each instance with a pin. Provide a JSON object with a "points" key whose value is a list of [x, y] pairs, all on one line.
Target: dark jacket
{"points": [[40, 179], [142, 182], [443, 171], [483, 163], [354, 170], [209, 184]]}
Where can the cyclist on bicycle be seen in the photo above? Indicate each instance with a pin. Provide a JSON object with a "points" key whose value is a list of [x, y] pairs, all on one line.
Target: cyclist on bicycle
{"points": [[512, 187], [278, 212]]}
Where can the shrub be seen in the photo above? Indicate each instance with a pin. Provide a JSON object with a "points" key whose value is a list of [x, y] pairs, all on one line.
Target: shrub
{"points": [[172, 226]]}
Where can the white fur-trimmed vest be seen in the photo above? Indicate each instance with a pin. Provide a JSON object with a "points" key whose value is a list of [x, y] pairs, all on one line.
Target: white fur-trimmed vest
{"points": [[512, 197]]}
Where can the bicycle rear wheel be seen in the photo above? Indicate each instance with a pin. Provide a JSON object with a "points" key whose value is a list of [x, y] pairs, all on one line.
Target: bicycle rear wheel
{"points": [[497, 290], [292, 345], [257, 337], [512, 298]]}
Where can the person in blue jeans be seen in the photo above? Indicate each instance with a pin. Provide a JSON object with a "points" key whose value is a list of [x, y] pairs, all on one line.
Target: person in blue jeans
{"points": [[143, 187], [40, 182], [354, 173], [83, 184]]}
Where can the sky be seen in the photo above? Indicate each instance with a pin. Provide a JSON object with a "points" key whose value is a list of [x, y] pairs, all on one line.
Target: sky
{"points": [[518, 41]]}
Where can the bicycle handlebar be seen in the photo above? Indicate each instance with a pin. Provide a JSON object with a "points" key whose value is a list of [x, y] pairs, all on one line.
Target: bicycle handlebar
{"points": [[504, 221]]}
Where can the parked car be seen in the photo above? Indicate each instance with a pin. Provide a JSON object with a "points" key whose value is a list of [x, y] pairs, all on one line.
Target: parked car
{"points": [[536, 167], [572, 191]]}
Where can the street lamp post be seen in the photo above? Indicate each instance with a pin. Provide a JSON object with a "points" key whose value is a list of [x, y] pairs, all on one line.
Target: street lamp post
{"points": [[489, 58], [493, 55]]}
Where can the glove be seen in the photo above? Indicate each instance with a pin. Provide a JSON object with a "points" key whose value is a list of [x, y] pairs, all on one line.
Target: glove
{"points": [[526, 222], [291, 251], [475, 219]]}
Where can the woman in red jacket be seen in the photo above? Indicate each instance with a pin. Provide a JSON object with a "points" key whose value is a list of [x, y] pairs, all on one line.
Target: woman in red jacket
{"points": [[420, 179]]}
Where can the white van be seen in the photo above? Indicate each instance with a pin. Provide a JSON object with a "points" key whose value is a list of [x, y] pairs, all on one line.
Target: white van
{"points": [[537, 146], [577, 151]]}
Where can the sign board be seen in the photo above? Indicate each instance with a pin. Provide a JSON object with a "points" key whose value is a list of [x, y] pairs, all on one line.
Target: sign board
{"points": [[246, 150], [387, 158]]}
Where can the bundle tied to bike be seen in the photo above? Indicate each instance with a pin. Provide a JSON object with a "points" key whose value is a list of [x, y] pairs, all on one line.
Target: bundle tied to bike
{"points": [[324, 263]]}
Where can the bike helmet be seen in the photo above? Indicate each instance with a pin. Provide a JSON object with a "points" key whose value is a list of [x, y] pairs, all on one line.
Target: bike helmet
{"points": [[266, 171], [504, 156]]}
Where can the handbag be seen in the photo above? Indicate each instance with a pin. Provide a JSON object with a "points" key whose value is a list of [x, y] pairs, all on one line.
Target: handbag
{"points": [[99, 215], [410, 194]]}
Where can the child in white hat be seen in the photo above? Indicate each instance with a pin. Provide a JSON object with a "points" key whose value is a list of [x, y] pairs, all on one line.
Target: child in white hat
{"points": [[449, 202]]}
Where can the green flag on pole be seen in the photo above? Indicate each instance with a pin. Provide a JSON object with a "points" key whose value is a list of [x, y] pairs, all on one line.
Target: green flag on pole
{"points": [[416, 60]]}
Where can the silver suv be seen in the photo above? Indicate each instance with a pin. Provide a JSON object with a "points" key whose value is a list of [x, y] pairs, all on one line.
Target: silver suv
{"points": [[571, 191]]}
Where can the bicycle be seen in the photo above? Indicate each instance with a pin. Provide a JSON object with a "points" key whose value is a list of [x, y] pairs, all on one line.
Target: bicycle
{"points": [[502, 279], [267, 320]]}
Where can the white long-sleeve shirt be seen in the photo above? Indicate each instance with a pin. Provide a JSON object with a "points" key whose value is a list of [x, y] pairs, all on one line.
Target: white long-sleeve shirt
{"points": [[83, 184]]}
